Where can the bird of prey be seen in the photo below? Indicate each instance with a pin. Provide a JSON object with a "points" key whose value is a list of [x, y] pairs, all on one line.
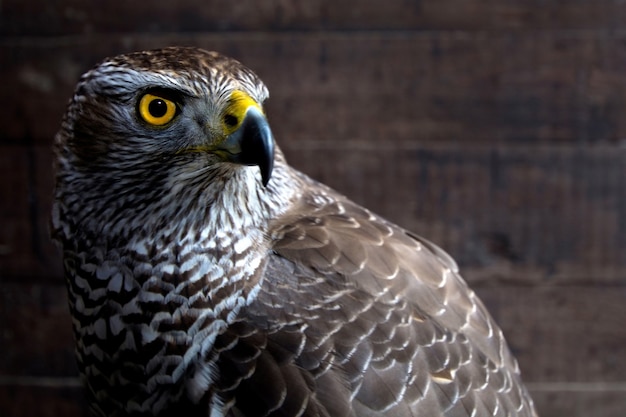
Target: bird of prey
{"points": [[207, 277]]}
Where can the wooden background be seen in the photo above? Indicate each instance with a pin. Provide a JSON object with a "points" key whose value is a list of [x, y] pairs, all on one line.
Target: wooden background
{"points": [[493, 127]]}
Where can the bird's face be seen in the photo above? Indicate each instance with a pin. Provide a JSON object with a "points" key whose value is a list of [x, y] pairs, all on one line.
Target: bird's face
{"points": [[142, 113]]}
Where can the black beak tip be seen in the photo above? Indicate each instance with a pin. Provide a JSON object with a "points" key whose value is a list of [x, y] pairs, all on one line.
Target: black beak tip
{"points": [[267, 168], [257, 145]]}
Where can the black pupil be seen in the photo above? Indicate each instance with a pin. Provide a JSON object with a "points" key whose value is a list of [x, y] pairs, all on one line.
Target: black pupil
{"points": [[230, 120], [157, 108]]}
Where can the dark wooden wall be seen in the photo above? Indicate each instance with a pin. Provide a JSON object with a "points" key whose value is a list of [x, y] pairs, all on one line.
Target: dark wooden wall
{"points": [[494, 127]]}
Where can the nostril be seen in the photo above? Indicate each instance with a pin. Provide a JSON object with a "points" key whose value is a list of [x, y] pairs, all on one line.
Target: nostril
{"points": [[230, 120]]}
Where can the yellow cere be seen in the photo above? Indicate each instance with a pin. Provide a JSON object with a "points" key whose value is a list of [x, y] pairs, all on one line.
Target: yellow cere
{"points": [[239, 103], [156, 110]]}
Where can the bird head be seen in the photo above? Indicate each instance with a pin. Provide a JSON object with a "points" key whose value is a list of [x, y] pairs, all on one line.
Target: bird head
{"points": [[151, 137], [137, 114]]}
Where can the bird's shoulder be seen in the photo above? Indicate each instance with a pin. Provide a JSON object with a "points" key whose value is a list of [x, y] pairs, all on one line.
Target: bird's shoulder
{"points": [[328, 239], [356, 316]]}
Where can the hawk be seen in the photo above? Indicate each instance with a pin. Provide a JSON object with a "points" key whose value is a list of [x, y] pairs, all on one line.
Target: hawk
{"points": [[207, 277]]}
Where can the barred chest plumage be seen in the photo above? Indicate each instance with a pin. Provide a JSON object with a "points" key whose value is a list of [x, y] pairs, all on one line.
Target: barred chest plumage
{"points": [[146, 313]]}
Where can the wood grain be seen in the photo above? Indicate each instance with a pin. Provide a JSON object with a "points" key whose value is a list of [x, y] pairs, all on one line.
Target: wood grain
{"points": [[461, 87], [38, 17], [26, 251], [515, 214], [495, 128], [564, 341]]}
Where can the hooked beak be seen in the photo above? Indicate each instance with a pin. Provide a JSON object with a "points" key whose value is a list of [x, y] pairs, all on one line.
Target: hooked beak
{"points": [[252, 144]]}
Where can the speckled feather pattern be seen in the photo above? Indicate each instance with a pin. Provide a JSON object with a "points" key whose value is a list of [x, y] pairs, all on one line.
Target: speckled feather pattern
{"points": [[197, 291]]}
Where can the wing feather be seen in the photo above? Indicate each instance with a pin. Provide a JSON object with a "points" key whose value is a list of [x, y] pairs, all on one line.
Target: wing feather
{"points": [[378, 319]]}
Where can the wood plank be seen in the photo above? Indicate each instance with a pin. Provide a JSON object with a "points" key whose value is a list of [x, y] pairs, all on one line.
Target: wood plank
{"points": [[524, 214], [35, 332], [17, 401], [26, 251], [580, 403], [563, 334], [559, 334], [42, 401], [460, 87], [37, 17], [569, 341]]}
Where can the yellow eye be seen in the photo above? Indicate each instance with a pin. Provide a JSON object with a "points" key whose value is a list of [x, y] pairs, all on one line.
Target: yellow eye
{"points": [[156, 110]]}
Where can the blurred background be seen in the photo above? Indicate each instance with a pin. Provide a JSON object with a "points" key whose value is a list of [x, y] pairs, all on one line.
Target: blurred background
{"points": [[495, 128]]}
